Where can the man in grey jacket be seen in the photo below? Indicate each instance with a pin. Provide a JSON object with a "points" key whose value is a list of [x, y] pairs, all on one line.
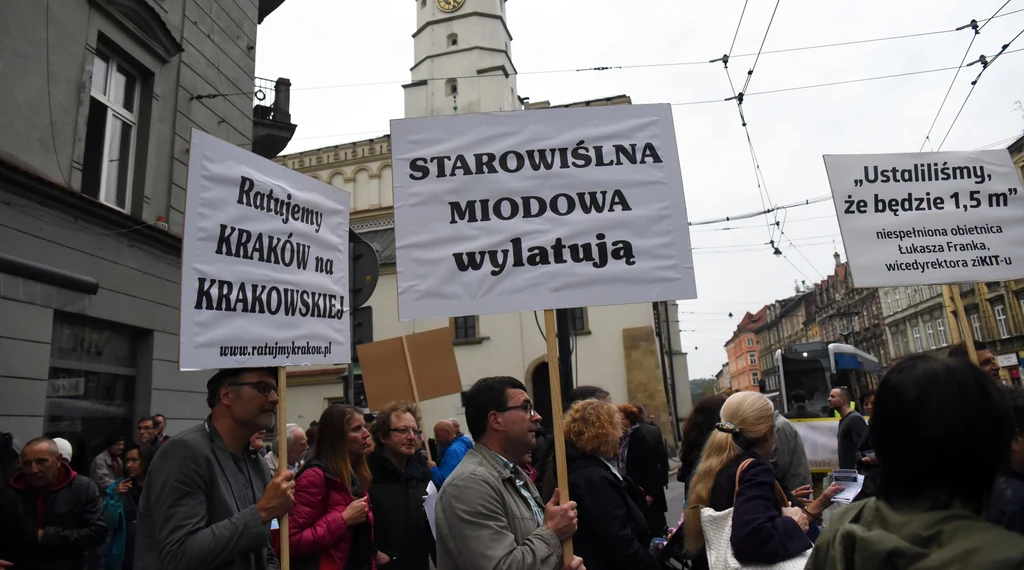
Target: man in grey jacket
{"points": [[208, 500], [489, 514], [789, 459]]}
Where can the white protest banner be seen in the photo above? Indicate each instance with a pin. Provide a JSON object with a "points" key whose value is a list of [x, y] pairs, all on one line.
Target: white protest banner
{"points": [[264, 277], [820, 442], [540, 209], [934, 217]]}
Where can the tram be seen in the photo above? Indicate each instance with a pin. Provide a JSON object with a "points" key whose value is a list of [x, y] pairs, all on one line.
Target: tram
{"points": [[818, 367]]}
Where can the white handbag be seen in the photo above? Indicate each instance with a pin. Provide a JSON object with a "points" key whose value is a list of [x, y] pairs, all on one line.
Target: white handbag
{"points": [[717, 528]]}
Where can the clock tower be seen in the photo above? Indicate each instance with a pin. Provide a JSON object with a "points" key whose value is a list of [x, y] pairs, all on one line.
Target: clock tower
{"points": [[462, 59]]}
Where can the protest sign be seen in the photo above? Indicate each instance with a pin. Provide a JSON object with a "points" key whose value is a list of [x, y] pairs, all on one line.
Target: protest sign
{"points": [[819, 436], [924, 218], [540, 209], [264, 279], [416, 367]]}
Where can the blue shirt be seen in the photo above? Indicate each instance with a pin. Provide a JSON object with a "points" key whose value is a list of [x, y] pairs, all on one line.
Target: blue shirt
{"points": [[452, 457]]}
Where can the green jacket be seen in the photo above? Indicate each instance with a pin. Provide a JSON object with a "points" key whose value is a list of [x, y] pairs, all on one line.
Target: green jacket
{"points": [[871, 535]]}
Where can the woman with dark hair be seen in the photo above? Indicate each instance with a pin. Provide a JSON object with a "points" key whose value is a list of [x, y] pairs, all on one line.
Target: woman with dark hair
{"points": [[696, 430], [927, 512], [330, 519], [613, 532], [121, 506], [637, 458]]}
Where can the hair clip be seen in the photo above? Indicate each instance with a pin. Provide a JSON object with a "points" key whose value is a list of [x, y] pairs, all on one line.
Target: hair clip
{"points": [[727, 427]]}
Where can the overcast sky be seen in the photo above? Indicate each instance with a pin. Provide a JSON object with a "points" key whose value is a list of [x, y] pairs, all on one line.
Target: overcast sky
{"points": [[325, 45]]}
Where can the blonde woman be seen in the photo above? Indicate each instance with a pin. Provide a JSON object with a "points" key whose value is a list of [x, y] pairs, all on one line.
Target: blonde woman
{"points": [[612, 533], [765, 528]]}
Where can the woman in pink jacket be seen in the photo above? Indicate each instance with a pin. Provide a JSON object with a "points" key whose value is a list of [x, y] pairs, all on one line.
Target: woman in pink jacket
{"points": [[330, 522]]}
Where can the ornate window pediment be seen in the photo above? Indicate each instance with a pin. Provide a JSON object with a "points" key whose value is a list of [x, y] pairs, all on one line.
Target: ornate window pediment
{"points": [[146, 23]]}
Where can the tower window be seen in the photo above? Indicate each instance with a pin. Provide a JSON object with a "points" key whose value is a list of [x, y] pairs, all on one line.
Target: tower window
{"points": [[451, 87], [453, 40]]}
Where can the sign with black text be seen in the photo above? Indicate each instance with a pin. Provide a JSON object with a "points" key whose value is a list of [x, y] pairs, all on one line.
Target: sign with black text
{"points": [[264, 278], [539, 209], [926, 218]]}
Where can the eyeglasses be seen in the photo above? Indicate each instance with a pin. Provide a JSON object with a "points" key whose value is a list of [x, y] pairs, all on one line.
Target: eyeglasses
{"points": [[262, 387], [525, 406], [404, 431]]}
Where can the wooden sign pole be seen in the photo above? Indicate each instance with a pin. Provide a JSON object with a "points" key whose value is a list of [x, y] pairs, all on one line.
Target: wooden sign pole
{"points": [[412, 380], [558, 434], [282, 456], [961, 317]]}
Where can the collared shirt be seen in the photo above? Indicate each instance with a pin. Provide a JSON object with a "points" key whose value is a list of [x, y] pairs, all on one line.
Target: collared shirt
{"points": [[520, 479], [614, 469]]}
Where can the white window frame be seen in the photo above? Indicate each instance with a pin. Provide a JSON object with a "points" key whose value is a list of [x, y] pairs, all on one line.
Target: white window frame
{"points": [[896, 295], [1001, 325], [750, 342], [752, 358], [941, 326], [929, 331], [113, 64], [888, 301], [976, 326], [917, 339]]}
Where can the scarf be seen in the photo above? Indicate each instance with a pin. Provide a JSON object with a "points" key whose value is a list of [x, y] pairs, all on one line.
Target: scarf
{"points": [[624, 447]]}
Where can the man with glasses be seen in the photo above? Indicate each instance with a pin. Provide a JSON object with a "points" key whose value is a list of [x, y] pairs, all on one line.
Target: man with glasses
{"points": [[455, 447], [489, 514], [400, 477], [146, 428], [209, 499]]}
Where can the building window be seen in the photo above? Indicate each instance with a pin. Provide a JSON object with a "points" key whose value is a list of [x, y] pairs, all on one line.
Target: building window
{"points": [[750, 342], [941, 326], [917, 339], [464, 328], [90, 393], [754, 377], [110, 132], [888, 302], [1000, 312], [451, 87], [896, 297], [752, 358], [976, 325], [930, 332], [578, 320], [453, 40], [936, 290]]}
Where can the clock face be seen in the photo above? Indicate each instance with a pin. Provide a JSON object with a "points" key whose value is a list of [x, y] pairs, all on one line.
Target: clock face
{"points": [[450, 5]]}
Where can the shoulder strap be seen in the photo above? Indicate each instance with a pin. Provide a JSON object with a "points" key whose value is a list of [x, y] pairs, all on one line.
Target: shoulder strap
{"points": [[738, 471]]}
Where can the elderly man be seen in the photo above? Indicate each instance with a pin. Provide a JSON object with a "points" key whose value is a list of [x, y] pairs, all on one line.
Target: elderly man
{"points": [[52, 517], [489, 514], [209, 499], [455, 447], [297, 447]]}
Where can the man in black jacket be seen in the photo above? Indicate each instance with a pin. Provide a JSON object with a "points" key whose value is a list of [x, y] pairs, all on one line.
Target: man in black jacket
{"points": [[657, 482], [51, 517], [400, 478]]}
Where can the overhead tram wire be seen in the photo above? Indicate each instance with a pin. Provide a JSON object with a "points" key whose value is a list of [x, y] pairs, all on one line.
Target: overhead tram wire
{"points": [[996, 14], [974, 26], [749, 215], [986, 63], [617, 67]]}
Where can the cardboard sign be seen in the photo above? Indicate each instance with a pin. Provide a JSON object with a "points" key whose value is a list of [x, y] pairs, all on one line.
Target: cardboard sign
{"points": [[264, 277], [430, 370], [925, 218], [541, 209], [820, 442]]}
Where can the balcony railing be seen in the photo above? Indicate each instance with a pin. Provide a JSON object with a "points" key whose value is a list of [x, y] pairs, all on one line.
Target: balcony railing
{"points": [[272, 100], [271, 114]]}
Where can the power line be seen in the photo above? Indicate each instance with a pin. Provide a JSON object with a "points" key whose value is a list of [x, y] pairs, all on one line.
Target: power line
{"points": [[973, 25], [763, 40], [985, 65], [749, 215], [796, 221], [738, 24], [996, 13], [621, 67]]}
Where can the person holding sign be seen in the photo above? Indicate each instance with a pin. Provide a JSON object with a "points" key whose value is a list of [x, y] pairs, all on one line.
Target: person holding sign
{"points": [[208, 500], [489, 514]]}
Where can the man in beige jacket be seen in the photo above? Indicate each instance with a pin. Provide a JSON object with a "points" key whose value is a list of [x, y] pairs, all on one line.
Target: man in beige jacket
{"points": [[489, 514]]}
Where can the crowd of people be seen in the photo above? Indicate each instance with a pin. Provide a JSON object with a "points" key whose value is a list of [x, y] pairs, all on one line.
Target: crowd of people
{"points": [[941, 446]]}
